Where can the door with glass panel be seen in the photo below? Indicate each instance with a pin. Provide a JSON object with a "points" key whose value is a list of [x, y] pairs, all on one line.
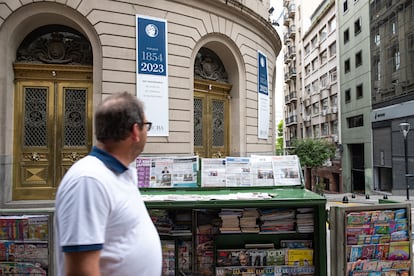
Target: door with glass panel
{"points": [[53, 129], [211, 119]]}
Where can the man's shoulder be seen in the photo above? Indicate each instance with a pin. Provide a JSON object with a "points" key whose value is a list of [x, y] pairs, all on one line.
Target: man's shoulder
{"points": [[87, 166]]}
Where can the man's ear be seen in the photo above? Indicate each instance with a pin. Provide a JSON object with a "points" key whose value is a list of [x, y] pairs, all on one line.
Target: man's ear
{"points": [[136, 131]]}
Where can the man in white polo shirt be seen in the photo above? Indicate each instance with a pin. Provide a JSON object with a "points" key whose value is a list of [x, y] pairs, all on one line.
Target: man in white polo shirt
{"points": [[102, 226]]}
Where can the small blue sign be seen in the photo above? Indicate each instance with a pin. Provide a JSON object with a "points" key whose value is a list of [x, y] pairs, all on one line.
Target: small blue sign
{"points": [[262, 81], [151, 48]]}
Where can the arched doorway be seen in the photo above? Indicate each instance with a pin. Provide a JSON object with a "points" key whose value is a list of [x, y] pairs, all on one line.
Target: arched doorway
{"points": [[211, 106], [53, 109]]}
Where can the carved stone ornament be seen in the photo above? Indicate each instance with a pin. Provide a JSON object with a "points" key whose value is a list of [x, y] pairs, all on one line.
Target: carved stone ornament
{"points": [[55, 47], [209, 66]]}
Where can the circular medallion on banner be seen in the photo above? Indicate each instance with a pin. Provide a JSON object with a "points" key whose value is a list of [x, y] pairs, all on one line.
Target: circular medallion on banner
{"points": [[151, 30], [262, 62]]}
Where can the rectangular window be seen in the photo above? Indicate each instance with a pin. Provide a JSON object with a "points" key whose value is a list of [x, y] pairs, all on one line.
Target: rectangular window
{"points": [[324, 80], [307, 49], [345, 6], [355, 121], [332, 24], [332, 75], [325, 130], [315, 108], [376, 37], [346, 36], [358, 59], [393, 26], [359, 91], [396, 59], [347, 95], [357, 26], [314, 42], [332, 49], [322, 34], [314, 64], [347, 65], [377, 68], [324, 57], [307, 69]]}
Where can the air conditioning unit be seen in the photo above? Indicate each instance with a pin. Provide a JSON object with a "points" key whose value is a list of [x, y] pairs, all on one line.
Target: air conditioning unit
{"points": [[334, 109], [324, 112], [335, 138]]}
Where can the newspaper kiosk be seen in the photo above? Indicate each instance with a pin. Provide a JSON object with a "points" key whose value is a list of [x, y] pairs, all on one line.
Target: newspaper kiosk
{"points": [[238, 221]]}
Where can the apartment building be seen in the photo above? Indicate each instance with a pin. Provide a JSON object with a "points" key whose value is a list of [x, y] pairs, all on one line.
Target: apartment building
{"points": [[392, 93], [319, 100], [311, 91], [355, 87]]}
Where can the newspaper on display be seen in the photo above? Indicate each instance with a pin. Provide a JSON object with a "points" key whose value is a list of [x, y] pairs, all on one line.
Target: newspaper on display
{"points": [[167, 172], [254, 171]]}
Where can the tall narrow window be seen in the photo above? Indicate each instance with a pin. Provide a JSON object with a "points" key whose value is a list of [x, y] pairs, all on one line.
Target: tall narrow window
{"points": [[359, 91], [357, 26], [358, 59], [346, 36], [347, 65]]}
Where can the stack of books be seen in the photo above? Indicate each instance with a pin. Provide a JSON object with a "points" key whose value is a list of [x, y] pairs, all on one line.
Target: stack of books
{"points": [[304, 220], [277, 220], [230, 222], [249, 220]]}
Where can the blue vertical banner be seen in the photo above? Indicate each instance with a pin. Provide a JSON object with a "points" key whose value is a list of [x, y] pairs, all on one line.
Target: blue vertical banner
{"points": [[152, 74], [263, 103]]}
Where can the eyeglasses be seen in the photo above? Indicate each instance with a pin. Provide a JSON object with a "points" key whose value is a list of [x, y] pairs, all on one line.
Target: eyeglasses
{"points": [[148, 124]]}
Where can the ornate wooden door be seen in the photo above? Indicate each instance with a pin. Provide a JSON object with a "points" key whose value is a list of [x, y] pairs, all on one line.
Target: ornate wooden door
{"points": [[211, 119], [53, 126]]}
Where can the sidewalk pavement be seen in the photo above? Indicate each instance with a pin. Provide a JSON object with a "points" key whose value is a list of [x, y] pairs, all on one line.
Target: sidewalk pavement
{"points": [[372, 199]]}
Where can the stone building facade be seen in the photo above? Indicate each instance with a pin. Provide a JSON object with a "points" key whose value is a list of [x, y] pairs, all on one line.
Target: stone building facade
{"points": [[61, 58]]}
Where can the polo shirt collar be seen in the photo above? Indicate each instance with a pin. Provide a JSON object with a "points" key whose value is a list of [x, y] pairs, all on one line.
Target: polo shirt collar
{"points": [[111, 162]]}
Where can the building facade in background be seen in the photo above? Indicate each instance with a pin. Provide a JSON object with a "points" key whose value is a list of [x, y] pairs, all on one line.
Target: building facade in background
{"points": [[311, 82], [61, 58], [355, 87], [392, 92]]}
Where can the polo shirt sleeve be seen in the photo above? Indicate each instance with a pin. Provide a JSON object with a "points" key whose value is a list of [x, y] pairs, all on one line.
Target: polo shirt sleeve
{"points": [[82, 214]]}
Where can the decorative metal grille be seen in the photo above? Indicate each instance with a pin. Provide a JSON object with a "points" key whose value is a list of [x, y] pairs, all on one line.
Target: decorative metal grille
{"points": [[55, 44], [74, 126], [198, 122], [208, 66], [218, 123], [35, 117]]}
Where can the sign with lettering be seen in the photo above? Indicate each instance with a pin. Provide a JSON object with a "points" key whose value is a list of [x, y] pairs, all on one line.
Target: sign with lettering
{"points": [[263, 104], [152, 75]]}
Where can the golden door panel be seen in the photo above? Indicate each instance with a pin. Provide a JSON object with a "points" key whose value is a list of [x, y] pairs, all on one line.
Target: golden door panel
{"points": [[211, 120], [53, 129]]}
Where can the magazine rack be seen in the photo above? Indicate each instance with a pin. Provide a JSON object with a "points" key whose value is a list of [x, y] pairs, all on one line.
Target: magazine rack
{"points": [[371, 239], [26, 242], [206, 211]]}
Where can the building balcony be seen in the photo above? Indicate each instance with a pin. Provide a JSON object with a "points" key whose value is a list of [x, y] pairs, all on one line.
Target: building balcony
{"points": [[292, 51], [292, 96], [292, 31], [286, 38], [286, 20], [287, 58], [287, 78], [292, 72], [291, 120], [292, 9]]}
